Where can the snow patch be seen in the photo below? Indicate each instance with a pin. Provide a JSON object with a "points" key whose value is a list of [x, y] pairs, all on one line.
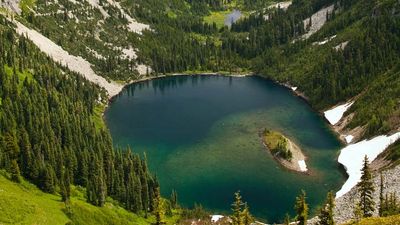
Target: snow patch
{"points": [[215, 218], [334, 115], [318, 20], [349, 138], [74, 63], [302, 165], [352, 156]]}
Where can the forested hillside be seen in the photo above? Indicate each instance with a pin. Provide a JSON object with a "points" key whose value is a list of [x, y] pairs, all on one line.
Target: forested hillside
{"points": [[48, 133], [361, 59]]}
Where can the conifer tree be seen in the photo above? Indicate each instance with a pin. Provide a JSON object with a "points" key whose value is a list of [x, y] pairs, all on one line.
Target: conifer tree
{"points": [[237, 217], [168, 210], [15, 173], [47, 179], [381, 196], [247, 217], [65, 189], [286, 221], [174, 199], [301, 208], [366, 189], [357, 213], [158, 207], [326, 212], [390, 205], [96, 191]]}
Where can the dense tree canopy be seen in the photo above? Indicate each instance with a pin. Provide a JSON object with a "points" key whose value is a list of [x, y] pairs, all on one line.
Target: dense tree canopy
{"points": [[48, 134]]}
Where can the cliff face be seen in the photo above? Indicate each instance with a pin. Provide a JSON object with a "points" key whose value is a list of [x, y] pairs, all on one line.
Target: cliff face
{"points": [[12, 5]]}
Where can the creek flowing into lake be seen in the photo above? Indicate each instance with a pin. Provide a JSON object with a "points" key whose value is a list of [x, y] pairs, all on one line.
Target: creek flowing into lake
{"points": [[201, 138]]}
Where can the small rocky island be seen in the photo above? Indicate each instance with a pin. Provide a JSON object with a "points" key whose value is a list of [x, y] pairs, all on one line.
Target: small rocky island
{"points": [[287, 153]]}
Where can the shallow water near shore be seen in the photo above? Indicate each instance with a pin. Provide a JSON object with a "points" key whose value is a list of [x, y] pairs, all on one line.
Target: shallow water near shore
{"points": [[201, 137]]}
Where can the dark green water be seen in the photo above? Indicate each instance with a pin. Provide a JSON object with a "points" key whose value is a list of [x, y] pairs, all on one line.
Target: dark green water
{"points": [[200, 134]]}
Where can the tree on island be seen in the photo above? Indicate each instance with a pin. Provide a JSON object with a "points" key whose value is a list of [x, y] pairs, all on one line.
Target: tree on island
{"points": [[301, 208], [366, 189], [326, 213]]}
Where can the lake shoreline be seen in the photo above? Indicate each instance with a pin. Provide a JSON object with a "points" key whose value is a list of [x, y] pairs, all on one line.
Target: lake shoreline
{"points": [[293, 90], [148, 78]]}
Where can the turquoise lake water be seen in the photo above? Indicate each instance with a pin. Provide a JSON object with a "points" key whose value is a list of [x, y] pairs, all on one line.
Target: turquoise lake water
{"points": [[201, 137]]}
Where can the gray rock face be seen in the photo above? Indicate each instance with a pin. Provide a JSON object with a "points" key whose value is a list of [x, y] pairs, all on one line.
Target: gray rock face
{"points": [[344, 210], [12, 5], [345, 205]]}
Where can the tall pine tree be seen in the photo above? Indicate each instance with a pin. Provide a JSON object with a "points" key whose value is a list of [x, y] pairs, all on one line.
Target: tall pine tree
{"points": [[366, 189], [301, 208], [326, 213], [381, 197], [237, 218], [158, 207]]}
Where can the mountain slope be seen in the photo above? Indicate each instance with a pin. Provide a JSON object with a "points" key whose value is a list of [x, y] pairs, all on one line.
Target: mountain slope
{"points": [[364, 68], [25, 204]]}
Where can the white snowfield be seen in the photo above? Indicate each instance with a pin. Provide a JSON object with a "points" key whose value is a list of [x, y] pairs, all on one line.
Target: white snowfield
{"points": [[74, 63], [352, 156], [318, 20], [334, 115], [302, 165]]}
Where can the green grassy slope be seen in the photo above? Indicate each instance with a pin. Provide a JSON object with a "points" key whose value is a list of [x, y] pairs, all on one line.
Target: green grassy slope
{"points": [[391, 220], [24, 203]]}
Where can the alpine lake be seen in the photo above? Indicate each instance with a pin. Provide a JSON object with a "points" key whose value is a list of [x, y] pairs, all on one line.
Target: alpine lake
{"points": [[201, 137]]}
